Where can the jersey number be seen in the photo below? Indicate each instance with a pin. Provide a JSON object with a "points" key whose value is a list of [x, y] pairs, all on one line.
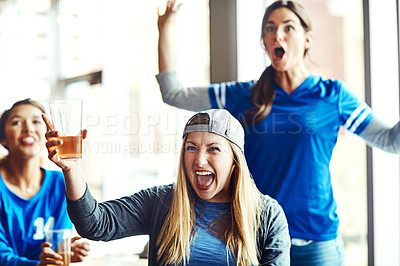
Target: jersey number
{"points": [[41, 227]]}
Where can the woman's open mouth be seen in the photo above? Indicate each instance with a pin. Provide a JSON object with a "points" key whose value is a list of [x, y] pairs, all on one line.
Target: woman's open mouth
{"points": [[204, 179], [278, 52], [28, 140]]}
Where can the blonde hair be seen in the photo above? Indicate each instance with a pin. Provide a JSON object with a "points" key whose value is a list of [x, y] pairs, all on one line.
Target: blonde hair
{"points": [[238, 229]]}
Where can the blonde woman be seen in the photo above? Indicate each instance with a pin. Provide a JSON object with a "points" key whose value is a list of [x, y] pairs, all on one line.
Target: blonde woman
{"points": [[292, 119], [213, 215]]}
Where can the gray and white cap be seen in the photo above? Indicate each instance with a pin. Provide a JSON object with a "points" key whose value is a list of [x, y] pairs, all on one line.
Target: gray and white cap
{"points": [[221, 123]]}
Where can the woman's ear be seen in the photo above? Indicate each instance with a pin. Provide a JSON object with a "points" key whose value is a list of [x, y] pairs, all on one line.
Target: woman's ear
{"points": [[309, 38]]}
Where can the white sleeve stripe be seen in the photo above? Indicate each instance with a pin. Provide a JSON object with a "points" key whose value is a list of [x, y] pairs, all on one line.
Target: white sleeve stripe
{"points": [[216, 91], [360, 120], [223, 95], [354, 115], [220, 95]]}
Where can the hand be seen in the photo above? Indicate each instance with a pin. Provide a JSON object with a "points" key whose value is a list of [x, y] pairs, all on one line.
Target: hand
{"points": [[79, 249], [49, 256], [169, 16], [52, 144]]}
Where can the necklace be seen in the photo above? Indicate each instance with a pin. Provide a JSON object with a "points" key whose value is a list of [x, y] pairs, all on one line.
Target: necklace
{"points": [[29, 190]]}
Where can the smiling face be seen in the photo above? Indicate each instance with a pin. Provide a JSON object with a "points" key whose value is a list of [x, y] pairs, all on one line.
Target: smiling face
{"points": [[208, 160], [285, 39], [24, 131]]}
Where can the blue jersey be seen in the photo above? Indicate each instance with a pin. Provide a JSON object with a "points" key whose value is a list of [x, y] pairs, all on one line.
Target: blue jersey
{"points": [[289, 152], [23, 221]]}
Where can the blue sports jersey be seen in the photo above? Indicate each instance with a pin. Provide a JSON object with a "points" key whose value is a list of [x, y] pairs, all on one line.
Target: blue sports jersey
{"points": [[289, 152], [23, 221]]}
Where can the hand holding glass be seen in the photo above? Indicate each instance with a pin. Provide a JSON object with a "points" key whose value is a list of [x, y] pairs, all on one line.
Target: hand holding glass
{"points": [[60, 241], [66, 117]]}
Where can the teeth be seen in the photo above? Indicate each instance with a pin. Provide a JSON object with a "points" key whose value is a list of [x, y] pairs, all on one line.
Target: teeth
{"points": [[204, 179], [28, 140], [203, 173]]}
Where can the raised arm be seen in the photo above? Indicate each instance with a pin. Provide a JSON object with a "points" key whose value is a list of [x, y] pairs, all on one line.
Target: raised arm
{"points": [[382, 136], [74, 181], [172, 91], [166, 41]]}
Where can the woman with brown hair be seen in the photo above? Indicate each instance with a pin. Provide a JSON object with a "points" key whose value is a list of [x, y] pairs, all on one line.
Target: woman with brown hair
{"points": [[292, 119], [212, 215], [32, 199]]}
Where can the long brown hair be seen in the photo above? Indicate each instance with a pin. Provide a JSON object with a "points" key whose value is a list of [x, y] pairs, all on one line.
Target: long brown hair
{"points": [[263, 92], [238, 228]]}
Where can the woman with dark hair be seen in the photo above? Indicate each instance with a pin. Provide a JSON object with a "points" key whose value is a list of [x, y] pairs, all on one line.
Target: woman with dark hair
{"points": [[291, 119], [32, 199], [213, 215]]}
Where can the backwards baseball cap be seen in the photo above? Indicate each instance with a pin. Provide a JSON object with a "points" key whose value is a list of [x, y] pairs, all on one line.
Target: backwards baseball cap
{"points": [[221, 123]]}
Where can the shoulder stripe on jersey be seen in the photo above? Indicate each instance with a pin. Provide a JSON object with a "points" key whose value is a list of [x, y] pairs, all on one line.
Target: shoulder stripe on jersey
{"points": [[360, 119], [223, 95], [354, 115], [220, 94], [357, 117]]}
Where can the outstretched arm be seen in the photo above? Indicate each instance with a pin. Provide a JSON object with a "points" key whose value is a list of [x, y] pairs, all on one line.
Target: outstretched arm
{"points": [[166, 41], [382, 136], [74, 181], [173, 93]]}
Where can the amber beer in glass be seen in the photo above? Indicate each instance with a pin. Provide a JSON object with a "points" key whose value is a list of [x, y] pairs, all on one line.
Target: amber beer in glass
{"points": [[67, 120], [66, 259], [60, 241], [71, 147]]}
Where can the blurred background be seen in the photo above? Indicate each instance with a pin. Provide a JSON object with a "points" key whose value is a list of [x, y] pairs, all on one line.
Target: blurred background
{"points": [[105, 52]]}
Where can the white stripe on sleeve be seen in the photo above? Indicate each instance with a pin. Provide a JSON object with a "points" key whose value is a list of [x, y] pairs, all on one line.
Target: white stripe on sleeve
{"points": [[219, 90], [354, 115], [223, 95], [360, 119]]}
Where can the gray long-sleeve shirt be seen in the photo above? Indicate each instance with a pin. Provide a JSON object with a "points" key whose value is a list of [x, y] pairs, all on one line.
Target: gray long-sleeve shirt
{"points": [[145, 212]]}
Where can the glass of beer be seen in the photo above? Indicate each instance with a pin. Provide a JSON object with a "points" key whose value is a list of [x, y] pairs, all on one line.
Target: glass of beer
{"points": [[66, 116], [60, 241]]}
